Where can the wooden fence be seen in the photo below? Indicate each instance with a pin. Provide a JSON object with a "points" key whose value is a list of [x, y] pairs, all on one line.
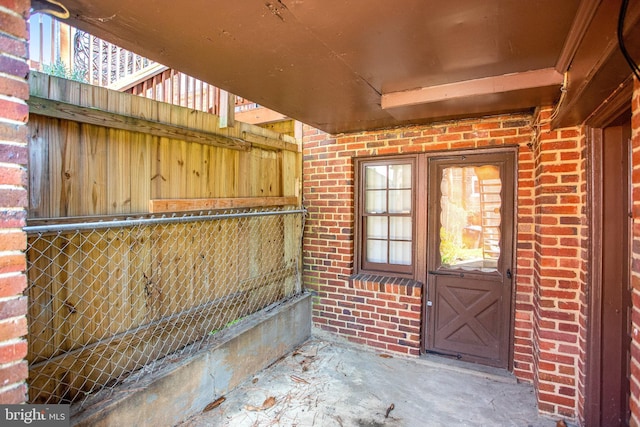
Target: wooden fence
{"points": [[145, 292], [94, 151]]}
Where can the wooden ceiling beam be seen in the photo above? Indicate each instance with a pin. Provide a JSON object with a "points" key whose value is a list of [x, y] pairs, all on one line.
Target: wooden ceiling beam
{"points": [[484, 86], [581, 22]]}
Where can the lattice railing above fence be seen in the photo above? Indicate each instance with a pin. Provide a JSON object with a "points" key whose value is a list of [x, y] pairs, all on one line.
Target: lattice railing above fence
{"points": [[108, 298]]}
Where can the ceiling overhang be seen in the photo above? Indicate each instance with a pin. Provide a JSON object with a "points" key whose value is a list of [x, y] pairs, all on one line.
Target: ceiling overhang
{"points": [[345, 66], [595, 64], [472, 97]]}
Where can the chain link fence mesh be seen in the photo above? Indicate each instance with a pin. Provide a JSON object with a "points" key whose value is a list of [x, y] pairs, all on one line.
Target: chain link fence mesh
{"points": [[109, 298]]}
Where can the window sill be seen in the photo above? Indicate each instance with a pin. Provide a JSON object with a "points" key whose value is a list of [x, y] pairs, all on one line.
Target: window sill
{"points": [[385, 284]]}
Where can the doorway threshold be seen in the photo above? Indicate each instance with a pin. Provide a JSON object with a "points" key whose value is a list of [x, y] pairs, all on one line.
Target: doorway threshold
{"points": [[470, 368]]}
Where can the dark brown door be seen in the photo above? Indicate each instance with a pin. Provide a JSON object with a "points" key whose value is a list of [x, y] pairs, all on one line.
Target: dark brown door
{"points": [[616, 299], [470, 243]]}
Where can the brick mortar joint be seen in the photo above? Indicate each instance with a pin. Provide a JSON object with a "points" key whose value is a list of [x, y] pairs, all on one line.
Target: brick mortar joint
{"points": [[12, 364], [12, 386]]}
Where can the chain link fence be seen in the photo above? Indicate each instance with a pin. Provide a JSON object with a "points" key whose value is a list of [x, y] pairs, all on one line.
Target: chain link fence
{"points": [[111, 297]]}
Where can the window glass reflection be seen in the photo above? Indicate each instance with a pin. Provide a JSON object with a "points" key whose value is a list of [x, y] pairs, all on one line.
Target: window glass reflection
{"points": [[470, 217], [375, 177]]}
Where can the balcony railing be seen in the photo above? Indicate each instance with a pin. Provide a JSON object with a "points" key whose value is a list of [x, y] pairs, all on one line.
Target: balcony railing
{"points": [[177, 88], [62, 50]]}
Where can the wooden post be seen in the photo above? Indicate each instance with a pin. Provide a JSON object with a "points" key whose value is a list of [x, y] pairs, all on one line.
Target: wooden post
{"points": [[298, 132], [66, 45], [227, 109]]}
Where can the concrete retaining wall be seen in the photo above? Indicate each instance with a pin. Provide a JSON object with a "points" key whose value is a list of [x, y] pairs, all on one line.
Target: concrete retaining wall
{"points": [[184, 388]]}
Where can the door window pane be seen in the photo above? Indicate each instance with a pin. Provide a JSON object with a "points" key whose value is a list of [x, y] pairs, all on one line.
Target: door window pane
{"points": [[470, 217]]}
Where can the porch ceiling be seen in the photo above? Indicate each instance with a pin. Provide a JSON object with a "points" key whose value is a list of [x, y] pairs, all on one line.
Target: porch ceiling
{"points": [[346, 65]]}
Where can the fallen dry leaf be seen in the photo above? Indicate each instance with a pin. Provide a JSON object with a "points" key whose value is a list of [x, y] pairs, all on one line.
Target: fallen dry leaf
{"points": [[214, 404], [268, 403], [299, 380], [385, 356]]}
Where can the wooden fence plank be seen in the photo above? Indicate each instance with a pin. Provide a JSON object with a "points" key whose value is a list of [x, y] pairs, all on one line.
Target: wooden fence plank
{"points": [[229, 184], [182, 205], [70, 168], [160, 169], [39, 186], [94, 116], [118, 190]]}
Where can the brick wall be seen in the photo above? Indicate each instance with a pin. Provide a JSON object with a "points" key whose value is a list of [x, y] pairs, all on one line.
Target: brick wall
{"points": [[378, 312], [558, 267], [549, 274], [13, 198], [635, 273]]}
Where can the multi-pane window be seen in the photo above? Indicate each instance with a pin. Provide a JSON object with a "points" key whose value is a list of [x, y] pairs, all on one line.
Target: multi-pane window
{"points": [[386, 208]]}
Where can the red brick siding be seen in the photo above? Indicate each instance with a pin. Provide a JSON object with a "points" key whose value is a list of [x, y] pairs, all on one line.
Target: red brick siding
{"points": [[558, 267], [525, 238], [550, 276], [328, 243], [377, 312], [13, 199], [635, 273]]}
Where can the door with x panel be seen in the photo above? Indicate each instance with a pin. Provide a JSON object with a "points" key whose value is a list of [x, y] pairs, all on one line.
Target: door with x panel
{"points": [[470, 244]]}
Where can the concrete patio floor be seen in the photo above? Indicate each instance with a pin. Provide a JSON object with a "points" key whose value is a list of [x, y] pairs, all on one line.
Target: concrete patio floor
{"points": [[327, 382]]}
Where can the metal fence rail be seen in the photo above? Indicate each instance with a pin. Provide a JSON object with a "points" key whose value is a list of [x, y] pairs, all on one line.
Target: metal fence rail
{"points": [[111, 297]]}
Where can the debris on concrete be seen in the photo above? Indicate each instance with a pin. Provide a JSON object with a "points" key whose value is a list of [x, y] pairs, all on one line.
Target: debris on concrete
{"points": [[389, 409], [214, 404], [268, 403], [332, 383]]}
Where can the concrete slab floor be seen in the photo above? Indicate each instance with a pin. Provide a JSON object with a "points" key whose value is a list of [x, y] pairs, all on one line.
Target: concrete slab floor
{"points": [[332, 383]]}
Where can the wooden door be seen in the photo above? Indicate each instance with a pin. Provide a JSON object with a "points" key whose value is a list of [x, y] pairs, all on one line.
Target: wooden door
{"points": [[616, 296], [470, 243], [609, 338]]}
